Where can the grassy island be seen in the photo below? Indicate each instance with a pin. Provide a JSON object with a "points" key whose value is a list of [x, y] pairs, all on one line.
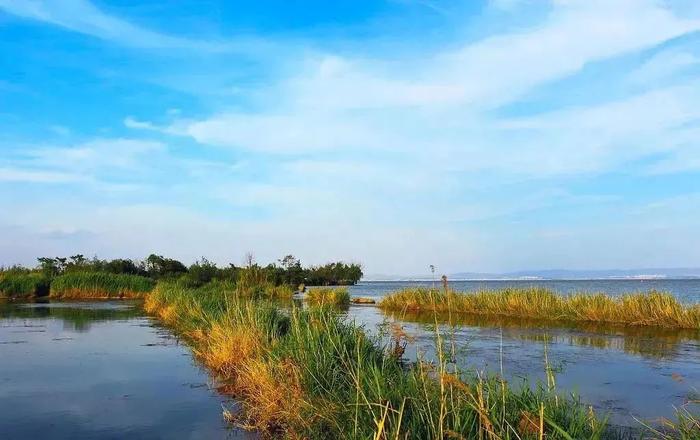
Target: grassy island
{"points": [[635, 309]]}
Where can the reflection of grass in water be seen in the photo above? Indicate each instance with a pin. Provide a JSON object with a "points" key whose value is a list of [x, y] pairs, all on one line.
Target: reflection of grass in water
{"points": [[653, 342], [635, 309], [77, 318]]}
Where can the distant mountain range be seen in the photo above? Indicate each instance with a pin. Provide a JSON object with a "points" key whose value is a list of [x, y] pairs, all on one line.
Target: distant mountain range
{"points": [[554, 274]]}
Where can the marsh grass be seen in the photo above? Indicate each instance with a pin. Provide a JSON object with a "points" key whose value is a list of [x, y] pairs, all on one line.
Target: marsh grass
{"points": [[85, 285], [333, 296], [637, 309], [307, 373], [23, 285], [253, 282]]}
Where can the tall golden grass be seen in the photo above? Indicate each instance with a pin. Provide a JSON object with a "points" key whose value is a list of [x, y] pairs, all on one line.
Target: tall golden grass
{"points": [[334, 296], [309, 374], [637, 309], [92, 285]]}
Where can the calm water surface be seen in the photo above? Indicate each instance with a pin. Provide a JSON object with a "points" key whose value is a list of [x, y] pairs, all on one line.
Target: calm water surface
{"points": [[100, 370], [104, 370], [626, 373], [687, 290]]}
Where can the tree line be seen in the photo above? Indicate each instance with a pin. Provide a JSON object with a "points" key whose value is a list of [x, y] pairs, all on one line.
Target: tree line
{"points": [[287, 270]]}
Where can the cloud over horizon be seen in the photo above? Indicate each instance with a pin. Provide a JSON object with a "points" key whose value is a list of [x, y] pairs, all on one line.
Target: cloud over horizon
{"points": [[493, 137]]}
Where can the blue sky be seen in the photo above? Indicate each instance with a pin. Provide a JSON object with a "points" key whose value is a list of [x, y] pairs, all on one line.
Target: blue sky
{"points": [[475, 136]]}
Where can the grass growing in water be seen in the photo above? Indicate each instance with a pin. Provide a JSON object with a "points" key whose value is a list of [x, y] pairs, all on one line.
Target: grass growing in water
{"points": [[309, 374], [80, 285], [333, 296], [652, 308], [23, 285]]}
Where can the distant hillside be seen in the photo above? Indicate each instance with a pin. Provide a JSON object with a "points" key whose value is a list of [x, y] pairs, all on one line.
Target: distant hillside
{"points": [[554, 274]]}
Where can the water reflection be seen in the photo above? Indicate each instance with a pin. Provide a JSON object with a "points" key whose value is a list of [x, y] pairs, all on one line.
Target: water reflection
{"points": [[74, 316], [625, 373], [657, 343], [100, 370]]}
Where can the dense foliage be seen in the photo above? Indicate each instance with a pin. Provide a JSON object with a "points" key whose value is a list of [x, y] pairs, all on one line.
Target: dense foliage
{"points": [[287, 271], [100, 285], [19, 284]]}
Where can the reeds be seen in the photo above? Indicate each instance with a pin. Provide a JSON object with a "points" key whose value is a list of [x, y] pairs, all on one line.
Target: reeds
{"points": [[638, 309], [334, 296], [84, 285], [23, 285], [253, 282], [310, 374]]}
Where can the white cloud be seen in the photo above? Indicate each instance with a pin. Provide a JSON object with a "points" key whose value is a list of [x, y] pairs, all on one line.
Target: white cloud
{"points": [[433, 101], [130, 122], [106, 164], [83, 17], [385, 159], [97, 154], [8, 174], [662, 66]]}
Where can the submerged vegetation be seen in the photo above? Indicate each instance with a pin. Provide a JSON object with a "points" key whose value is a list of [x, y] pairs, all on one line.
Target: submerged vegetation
{"points": [[332, 296], [309, 374], [636, 309]]}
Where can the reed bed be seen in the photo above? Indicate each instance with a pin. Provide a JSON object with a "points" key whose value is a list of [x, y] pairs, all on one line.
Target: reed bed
{"points": [[307, 373], [94, 285], [23, 285], [333, 296], [636, 309]]}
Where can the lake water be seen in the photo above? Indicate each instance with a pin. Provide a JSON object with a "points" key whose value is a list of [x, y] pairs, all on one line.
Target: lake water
{"points": [[687, 290], [105, 370], [623, 372], [100, 370]]}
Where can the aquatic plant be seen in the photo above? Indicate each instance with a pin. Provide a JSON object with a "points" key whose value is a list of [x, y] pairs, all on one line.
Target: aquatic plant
{"points": [[640, 309], [18, 284], [310, 374], [79, 285], [335, 296]]}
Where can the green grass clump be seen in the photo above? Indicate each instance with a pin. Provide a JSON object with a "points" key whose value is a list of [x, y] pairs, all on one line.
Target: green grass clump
{"points": [[253, 282], [80, 285], [311, 374], [334, 296], [23, 285], [652, 308]]}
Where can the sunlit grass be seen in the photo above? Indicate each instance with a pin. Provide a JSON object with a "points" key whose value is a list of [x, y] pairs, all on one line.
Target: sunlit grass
{"points": [[309, 374], [84, 285], [334, 296], [641, 309]]}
